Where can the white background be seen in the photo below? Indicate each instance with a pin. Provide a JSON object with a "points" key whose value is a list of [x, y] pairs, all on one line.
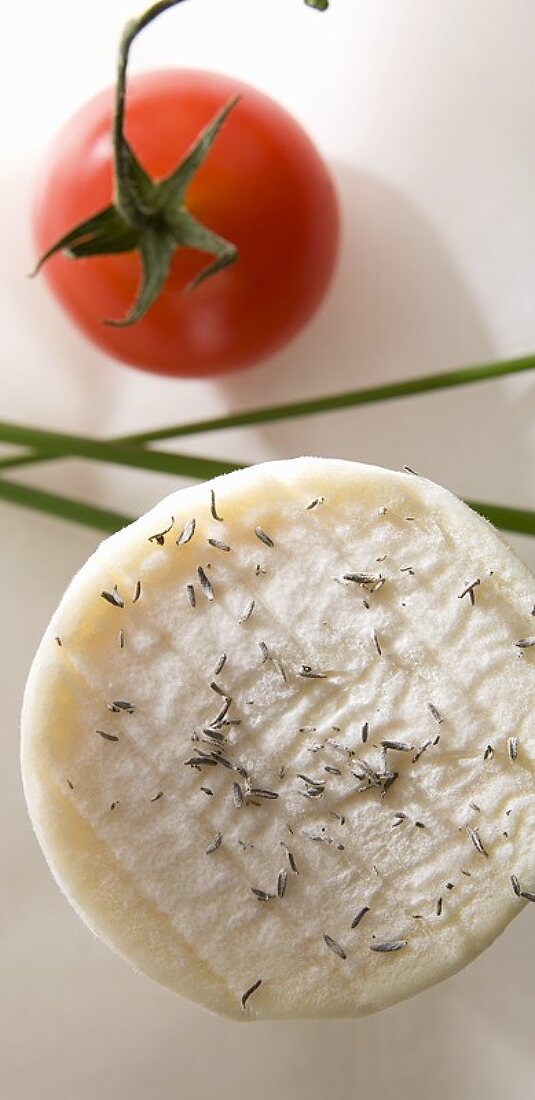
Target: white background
{"points": [[425, 110]]}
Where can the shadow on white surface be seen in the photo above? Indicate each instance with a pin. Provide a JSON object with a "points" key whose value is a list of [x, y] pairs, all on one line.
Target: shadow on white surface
{"points": [[399, 307], [399, 304]]}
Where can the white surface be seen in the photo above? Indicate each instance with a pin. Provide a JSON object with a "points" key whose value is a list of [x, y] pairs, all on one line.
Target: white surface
{"points": [[426, 111]]}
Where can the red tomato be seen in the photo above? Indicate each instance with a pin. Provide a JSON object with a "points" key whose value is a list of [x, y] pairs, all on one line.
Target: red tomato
{"points": [[263, 186]]}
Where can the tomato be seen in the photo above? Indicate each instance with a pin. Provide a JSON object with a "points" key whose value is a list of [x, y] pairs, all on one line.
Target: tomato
{"points": [[262, 186]]}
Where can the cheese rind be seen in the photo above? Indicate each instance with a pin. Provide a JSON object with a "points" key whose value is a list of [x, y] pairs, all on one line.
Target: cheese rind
{"points": [[369, 622]]}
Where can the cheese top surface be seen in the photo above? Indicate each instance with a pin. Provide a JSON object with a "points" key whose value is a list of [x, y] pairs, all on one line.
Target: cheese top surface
{"points": [[278, 742]]}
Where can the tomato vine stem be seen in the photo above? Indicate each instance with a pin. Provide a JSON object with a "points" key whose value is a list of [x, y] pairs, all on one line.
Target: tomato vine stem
{"points": [[129, 198]]}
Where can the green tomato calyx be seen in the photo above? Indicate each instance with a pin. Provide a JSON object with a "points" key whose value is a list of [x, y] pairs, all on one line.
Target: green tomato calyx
{"points": [[148, 216]]}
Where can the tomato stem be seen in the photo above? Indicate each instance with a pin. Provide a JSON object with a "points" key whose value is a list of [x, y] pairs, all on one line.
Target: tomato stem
{"points": [[148, 216], [128, 198]]}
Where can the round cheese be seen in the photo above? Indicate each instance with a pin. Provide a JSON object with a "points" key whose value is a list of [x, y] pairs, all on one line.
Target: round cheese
{"points": [[278, 743]]}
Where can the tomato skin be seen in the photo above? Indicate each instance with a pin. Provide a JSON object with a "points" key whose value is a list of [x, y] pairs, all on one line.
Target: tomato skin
{"points": [[263, 186]]}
